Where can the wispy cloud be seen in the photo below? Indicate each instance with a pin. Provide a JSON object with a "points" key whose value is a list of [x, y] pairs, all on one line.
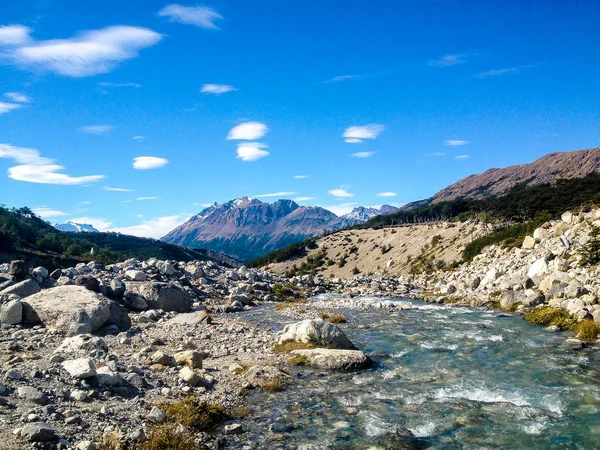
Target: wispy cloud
{"points": [[356, 134], [119, 85], [449, 60], [200, 16], [248, 131], [274, 194], [149, 162], [251, 151], [437, 154], [34, 168], [303, 199], [455, 142], [96, 129], [386, 194], [504, 71], [362, 154], [45, 212], [217, 89], [146, 198], [8, 107], [87, 54], [17, 97], [462, 157], [138, 138], [341, 193], [116, 189], [300, 177], [153, 228], [342, 78]]}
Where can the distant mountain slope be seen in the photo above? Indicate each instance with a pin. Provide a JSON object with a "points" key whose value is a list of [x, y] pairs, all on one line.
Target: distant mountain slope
{"points": [[362, 214], [248, 228], [73, 227], [547, 169]]}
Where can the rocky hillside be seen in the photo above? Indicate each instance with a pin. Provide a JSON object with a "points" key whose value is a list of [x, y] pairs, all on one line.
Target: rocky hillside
{"points": [[248, 228], [388, 251], [494, 182]]}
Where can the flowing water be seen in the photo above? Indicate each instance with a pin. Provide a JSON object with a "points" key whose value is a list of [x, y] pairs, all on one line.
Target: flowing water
{"points": [[455, 377]]}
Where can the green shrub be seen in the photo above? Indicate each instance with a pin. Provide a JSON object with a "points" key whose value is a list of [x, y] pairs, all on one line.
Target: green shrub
{"points": [[549, 315], [195, 414], [590, 253]]}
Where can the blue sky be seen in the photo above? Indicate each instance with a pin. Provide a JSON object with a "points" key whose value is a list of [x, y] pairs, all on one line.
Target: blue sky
{"points": [[132, 115]]}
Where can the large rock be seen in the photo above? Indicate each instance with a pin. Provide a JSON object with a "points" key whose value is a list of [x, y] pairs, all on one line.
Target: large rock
{"points": [[528, 242], [38, 432], [11, 312], [538, 268], [69, 309], [165, 296], [80, 368], [333, 359], [318, 332], [510, 298], [18, 269], [23, 289]]}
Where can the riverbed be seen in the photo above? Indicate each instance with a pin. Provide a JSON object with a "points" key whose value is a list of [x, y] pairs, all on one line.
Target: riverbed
{"points": [[454, 377]]}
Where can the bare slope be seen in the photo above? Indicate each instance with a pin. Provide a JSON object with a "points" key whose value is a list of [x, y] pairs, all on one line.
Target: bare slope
{"points": [[390, 251], [544, 170]]}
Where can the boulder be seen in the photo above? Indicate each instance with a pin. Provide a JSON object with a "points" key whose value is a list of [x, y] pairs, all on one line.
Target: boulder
{"points": [[333, 359], [534, 299], [32, 394], [189, 358], [510, 298], [540, 233], [318, 332], [88, 282], [11, 312], [23, 289], [189, 376], [18, 269], [69, 309], [81, 344], [80, 368], [40, 272], [538, 268], [38, 432], [257, 376], [135, 275], [165, 296], [118, 316], [528, 242]]}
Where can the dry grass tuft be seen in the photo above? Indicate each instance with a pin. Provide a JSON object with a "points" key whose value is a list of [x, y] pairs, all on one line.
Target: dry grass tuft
{"points": [[287, 347], [587, 330], [273, 385], [298, 360], [168, 437], [195, 414], [111, 441], [333, 318]]}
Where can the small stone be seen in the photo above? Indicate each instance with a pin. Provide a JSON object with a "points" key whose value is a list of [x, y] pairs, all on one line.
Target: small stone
{"points": [[189, 376], [161, 358], [234, 428], [73, 420], [189, 358], [156, 415], [79, 395]]}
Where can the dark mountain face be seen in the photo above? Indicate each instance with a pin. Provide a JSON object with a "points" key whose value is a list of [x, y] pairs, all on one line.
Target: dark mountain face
{"points": [[248, 228]]}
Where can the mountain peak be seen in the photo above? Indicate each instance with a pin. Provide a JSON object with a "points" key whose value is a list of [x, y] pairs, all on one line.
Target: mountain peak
{"points": [[74, 227]]}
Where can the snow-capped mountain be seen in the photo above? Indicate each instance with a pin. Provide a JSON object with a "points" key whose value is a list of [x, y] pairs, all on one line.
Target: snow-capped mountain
{"points": [[248, 228], [73, 227], [362, 214]]}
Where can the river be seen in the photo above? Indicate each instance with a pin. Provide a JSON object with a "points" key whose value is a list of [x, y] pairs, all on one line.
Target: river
{"points": [[455, 377]]}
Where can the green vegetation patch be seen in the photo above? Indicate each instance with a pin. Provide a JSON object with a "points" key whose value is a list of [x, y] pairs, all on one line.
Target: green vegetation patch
{"points": [[550, 315], [194, 413]]}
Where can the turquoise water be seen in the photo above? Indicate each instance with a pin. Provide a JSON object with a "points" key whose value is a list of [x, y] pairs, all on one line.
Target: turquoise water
{"points": [[454, 377]]}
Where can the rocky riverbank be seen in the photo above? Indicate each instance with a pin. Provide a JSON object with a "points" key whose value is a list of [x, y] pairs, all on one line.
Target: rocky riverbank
{"points": [[95, 356]]}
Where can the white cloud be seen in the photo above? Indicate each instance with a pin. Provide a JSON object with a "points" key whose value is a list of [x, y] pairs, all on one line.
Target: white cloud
{"points": [[363, 154], [342, 78], [217, 89], [461, 157], [341, 193], [154, 228], [274, 194], [148, 162], [14, 35], [498, 72], [448, 60], [34, 168], [251, 151], [17, 97], [201, 16], [303, 199], [8, 107], [98, 224], [116, 189], [356, 134], [89, 53], [45, 212], [300, 177], [340, 210], [386, 194], [248, 131], [455, 142], [138, 138], [119, 85], [438, 154], [146, 198], [96, 129]]}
